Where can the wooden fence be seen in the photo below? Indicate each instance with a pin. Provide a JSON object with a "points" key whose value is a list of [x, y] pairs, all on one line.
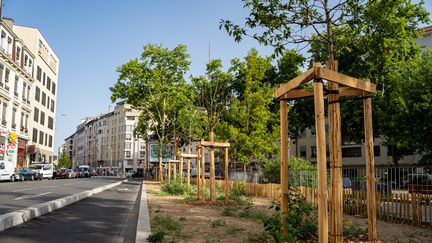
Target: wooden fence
{"points": [[398, 207]]}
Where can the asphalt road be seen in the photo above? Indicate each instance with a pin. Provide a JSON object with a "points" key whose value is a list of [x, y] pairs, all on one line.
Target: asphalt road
{"points": [[19, 195], [109, 216]]}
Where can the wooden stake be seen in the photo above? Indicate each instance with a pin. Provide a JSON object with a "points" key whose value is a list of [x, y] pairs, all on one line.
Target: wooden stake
{"points": [[226, 174], [370, 169], [284, 166], [322, 161], [181, 169], [175, 171], [202, 173], [169, 171], [188, 166], [198, 173], [212, 171], [335, 140]]}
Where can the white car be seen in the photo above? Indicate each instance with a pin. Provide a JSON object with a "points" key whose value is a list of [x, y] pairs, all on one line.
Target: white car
{"points": [[44, 170], [7, 172]]}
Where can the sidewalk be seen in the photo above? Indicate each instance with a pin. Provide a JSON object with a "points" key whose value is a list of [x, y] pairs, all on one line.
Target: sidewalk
{"points": [[143, 225]]}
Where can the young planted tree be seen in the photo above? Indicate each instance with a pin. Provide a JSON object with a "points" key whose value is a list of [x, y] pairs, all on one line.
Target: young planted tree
{"points": [[213, 97], [153, 84]]}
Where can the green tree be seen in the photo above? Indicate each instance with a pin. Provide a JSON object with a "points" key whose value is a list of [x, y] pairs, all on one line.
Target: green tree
{"points": [[64, 161], [154, 84], [247, 122]]}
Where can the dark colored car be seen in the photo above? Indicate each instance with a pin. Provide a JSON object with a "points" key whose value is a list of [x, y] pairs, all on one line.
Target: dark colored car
{"points": [[62, 173], [27, 174]]}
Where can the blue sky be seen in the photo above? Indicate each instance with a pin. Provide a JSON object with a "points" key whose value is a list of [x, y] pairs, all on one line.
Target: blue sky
{"points": [[93, 37]]}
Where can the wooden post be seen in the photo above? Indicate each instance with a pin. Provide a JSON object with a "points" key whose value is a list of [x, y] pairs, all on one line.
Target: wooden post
{"points": [[322, 161], [284, 166], [370, 169], [198, 173], [202, 172], [188, 166], [335, 142], [226, 174], [181, 169], [175, 171], [212, 171], [169, 171]]}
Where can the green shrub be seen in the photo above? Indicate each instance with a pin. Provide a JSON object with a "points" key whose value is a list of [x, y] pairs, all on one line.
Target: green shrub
{"points": [[166, 223], [301, 225], [250, 213], [157, 236], [351, 229], [238, 193], [229, 211], [175, 187], [216, 223]]}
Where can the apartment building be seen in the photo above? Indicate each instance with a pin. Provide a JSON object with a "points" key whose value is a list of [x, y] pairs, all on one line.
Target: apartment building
{"points": [[17, 62], [41, 94], [69, 148], [353, 154], [426, 40], [107, 141]]}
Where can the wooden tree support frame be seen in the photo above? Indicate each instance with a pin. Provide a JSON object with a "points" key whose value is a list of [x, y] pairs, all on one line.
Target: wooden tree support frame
{"points": [[338, 85], [174, 170], [188, 156], [212, 145]]}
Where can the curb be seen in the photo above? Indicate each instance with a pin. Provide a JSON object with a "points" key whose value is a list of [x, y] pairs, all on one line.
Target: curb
{"points": [[23, 215], [143, 225]]}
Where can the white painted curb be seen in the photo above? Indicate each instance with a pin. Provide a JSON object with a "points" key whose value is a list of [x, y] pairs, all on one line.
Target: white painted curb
{"points": [[23, 215], [143, 225]]}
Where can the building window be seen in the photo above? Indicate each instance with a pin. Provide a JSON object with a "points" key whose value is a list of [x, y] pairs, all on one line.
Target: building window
{"points": [[142, 154], [53, 88], [52, 105], [48, 102], [42, 118], [7, 72], [351, 152], [23, 91], [48, 83], [313, 152], [142, 146], [28, 94], [50, 122], [377, 151], [128, 146], [16, 85], [37, 94], [50, 141], [130, 118], [14, 110], [18, 53], [43, 79], [41, 137], [39, 73], [128, 136], [303, 151], [127, 154], [46, 139], [35, 134], [43, 98], [36, 115], [1, 74]]}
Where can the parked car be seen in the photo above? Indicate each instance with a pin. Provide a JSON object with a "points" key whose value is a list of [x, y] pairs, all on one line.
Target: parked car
{"points": [[84, 170], [27, 174], [62, 173], [130, 174], [76, 172], [346, 182], [71, 173], [44, 170], [7, 171]]}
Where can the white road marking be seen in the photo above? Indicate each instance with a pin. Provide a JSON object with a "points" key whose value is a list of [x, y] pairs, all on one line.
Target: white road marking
{"points": [[68, 184], [32, 196], [123, 189], [48, 186], [25, 189]]}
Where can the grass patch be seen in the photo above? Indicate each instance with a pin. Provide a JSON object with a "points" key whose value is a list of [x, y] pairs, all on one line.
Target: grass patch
{"points": [[166, 223], [157, 236], [232, 230], [229, 211], [351, 229], [182, 218], [216, 223], [249, 213]]}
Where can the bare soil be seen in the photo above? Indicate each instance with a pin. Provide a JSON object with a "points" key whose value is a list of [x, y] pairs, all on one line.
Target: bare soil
{"points": [[205, 222]]}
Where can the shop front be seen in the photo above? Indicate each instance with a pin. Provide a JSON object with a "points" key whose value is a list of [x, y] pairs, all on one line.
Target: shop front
{"points": [[22, 146]]}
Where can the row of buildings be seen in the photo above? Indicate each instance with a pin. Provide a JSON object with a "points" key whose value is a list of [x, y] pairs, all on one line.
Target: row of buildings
{"points": [[107, 141], [28, 87]]}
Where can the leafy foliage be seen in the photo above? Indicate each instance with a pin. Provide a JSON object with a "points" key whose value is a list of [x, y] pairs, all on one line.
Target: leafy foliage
{"points": [[175, 187], [64, 161], [301, 224], [271, 168]]}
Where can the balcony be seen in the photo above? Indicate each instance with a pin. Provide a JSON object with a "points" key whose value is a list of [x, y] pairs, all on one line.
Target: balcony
{"points": [[24, 130]]}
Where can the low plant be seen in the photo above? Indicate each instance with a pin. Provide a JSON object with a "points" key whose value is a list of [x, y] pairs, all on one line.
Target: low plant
{"points": [[229, 211], [351, 229], [166, 223], [250, 213], [238, 193], [175, 187], [156, 236], [216, 223], [301, 224]]}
